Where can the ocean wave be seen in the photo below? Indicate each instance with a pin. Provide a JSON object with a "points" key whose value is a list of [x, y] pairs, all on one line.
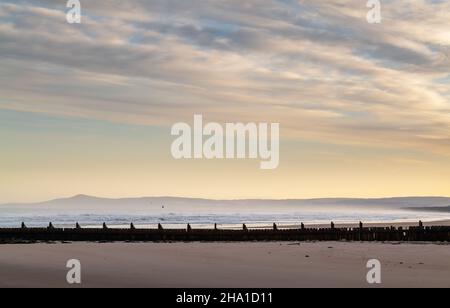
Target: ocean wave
{"points": [[89, 219]]}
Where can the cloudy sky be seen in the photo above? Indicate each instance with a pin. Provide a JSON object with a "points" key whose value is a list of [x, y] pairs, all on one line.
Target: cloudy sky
{"points": [[87, 108]]}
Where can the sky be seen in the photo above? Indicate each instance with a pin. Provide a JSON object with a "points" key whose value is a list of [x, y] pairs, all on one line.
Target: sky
{"points": [[87, 108]]}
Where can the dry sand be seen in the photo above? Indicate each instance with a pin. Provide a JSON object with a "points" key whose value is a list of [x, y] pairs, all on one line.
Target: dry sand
{"points": [[336, 264]]}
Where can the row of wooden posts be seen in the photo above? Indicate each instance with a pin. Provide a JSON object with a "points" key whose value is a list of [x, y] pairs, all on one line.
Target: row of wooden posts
{"points": [[332, 233], [189, 228]]}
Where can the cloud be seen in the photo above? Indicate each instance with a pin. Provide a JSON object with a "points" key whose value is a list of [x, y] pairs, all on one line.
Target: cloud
{"points": [[315, 66]]}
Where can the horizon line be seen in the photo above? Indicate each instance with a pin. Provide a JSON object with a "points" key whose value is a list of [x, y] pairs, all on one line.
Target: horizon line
{"points": [[225, 199]]}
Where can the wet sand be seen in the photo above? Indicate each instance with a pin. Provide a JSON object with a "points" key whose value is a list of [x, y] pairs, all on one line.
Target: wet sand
{"points": [[272, 265]]}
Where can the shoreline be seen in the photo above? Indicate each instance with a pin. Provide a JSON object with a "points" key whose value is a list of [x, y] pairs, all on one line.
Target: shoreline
{"points": [[440, 223], [409, 223]]}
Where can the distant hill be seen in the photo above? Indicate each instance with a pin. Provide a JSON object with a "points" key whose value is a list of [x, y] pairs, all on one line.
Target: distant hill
{"points": [[80, 202]]}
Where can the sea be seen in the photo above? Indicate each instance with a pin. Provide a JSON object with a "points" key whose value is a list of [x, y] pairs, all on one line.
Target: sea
{"points": [[205, 217]]}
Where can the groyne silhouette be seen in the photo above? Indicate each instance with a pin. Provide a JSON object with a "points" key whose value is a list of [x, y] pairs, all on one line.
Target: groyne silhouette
{"points": [[189, 234]]}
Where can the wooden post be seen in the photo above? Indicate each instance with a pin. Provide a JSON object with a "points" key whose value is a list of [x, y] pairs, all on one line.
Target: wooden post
{"points": [[132, 227], [105, 227], [361, 226], [332, 225], [275, 227], [50, 226], [303, 226]]}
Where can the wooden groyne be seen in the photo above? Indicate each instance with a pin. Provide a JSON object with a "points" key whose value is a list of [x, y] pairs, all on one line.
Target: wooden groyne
{"points": [[133, 234]]}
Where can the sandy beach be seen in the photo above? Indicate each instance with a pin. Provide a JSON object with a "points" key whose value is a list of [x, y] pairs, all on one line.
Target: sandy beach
{"points": [[225, 265]]}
